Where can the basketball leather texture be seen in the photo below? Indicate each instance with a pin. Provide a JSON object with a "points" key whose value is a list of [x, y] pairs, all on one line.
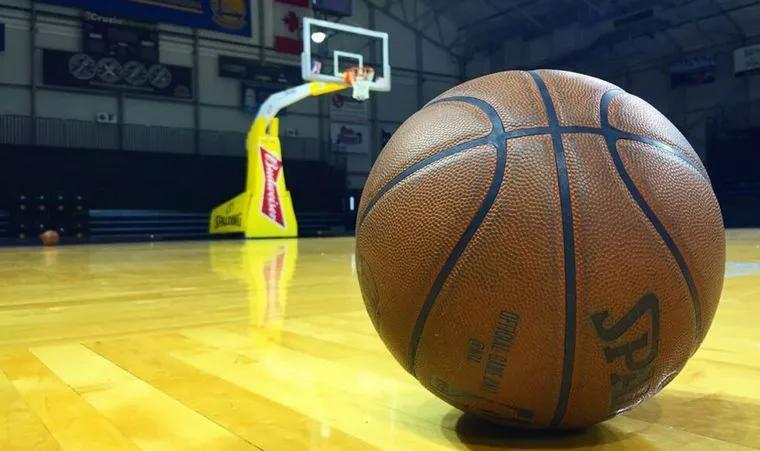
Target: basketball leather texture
{"points": [[540, 248]]}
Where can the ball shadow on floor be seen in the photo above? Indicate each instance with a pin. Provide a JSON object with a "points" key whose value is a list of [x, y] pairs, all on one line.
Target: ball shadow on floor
{"points": [[476, 433]]}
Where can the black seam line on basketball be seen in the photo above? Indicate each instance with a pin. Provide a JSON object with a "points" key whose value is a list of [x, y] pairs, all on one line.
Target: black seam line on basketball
{"points": [[519, 133], [671, 150], [497, 130], [497, 126], [611, 138], [568, 242], [522, 133], [638, 138], [499, 140], [620, 135], [421, 165]]}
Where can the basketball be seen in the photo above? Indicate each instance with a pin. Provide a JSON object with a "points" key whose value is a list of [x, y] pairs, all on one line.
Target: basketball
{"points": [[368, 225], [540, 249], [50, 238]]}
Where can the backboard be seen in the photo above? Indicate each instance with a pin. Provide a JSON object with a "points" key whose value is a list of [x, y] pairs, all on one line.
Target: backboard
{"points": [[331, 48]]}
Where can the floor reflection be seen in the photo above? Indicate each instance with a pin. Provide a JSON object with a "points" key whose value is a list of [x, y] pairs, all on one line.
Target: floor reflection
{"points": [[266, 268]]}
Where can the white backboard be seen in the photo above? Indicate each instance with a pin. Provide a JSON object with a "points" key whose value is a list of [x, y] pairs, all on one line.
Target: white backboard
{"points": [[330, 48]]}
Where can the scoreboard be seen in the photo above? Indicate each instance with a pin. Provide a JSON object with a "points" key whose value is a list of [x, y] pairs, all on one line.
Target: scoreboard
{"points": [[118, 38]]}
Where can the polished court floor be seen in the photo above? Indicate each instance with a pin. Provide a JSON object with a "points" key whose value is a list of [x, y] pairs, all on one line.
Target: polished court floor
{"points": [[265, 345]]}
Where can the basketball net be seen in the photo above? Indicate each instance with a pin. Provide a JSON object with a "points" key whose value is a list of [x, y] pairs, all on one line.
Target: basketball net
{"points": [[360, 79]]}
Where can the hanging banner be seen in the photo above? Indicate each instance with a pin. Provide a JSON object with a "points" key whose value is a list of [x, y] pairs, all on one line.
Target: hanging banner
{"points": [[746, 59], [2, 37], [344, 108], [349, 138], [80, 70], [693, 70], [225, 16]]}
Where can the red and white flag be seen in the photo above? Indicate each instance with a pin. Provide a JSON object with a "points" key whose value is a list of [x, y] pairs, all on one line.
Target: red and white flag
{"points": [[287, 15]]}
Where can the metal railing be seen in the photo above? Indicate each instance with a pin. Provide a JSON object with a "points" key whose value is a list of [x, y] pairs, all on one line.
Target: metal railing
{"points": [[15, 130], [71, 133], [158, 139], [76, 134]]}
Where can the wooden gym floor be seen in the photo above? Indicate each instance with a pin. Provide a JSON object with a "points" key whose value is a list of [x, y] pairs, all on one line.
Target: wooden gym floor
{"points": [[266, 345]]}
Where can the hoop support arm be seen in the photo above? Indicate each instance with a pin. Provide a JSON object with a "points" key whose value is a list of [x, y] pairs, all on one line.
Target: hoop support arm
{"points": [[276, 102]]}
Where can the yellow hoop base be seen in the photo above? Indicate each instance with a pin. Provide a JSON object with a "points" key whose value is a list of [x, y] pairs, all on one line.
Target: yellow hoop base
{"points": [[265, 209]]}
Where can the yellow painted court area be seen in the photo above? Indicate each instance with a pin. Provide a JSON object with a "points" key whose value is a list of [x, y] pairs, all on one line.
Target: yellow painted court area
{"points": [[266, 345]]}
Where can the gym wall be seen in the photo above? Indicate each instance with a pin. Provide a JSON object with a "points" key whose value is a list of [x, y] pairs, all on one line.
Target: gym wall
{"points": [[212, 123]]}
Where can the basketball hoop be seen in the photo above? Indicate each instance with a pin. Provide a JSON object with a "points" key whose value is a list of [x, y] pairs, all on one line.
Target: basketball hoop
{"points": [[360, 78]]}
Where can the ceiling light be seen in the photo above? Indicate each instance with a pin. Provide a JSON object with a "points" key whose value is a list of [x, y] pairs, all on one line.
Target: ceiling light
{"points": [[318, 37]]}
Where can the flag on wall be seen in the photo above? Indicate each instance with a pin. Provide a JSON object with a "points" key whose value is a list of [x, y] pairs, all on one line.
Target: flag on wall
{"points": [[287, 16]]}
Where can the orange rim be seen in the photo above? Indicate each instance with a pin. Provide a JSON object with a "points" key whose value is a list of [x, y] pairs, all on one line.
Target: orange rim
{"points": [[354, 72]]}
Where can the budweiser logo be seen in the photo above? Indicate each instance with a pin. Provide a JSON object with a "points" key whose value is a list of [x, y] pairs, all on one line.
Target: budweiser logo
{"points": [[271, 206]]}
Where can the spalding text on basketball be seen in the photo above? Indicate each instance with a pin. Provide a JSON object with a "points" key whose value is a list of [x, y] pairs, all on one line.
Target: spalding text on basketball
{"points": [[501, 340], [638, 352]]}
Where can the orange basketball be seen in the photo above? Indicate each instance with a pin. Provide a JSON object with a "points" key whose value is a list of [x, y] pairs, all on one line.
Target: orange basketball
{"points": [[540, 249], [50, 238]]}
